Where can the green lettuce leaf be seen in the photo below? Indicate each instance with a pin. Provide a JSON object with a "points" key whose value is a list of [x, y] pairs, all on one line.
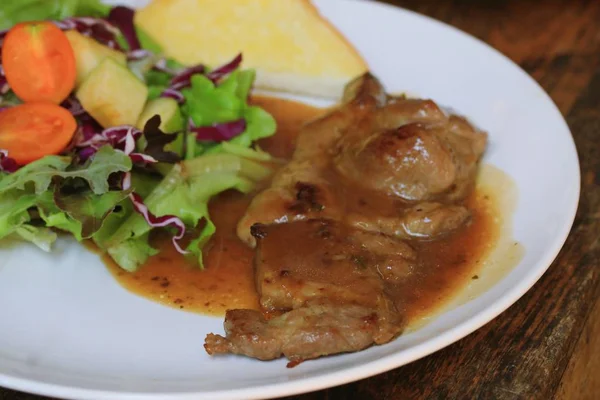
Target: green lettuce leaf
{"points": [[135, 225], [252, 154], [74, 199], [15, 218], [207, 104], [185, 192], [42, 237], [95, 171], [39, 174], [111, 223], [130, 254], [88, 209], [157, 81], [81, 214], [15, 11], [259, 124], [143, 184], [14, 206], [54, 217]]}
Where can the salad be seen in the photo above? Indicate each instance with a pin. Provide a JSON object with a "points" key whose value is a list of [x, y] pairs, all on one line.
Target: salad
{"points": [[104, 138]]}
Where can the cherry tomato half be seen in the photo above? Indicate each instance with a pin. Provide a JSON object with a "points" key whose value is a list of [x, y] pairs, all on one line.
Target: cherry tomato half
{"points": [[39, 62], [33, 130]]}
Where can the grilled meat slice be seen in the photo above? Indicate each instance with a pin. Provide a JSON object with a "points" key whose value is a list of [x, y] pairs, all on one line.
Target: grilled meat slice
{"points": [[329, 231], [315, 330], [321, 259], [407, 150], [425, 220], [330, 281]]}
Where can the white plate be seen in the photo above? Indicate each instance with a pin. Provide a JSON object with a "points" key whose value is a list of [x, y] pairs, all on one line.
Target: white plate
{"points": [[69, 330]]}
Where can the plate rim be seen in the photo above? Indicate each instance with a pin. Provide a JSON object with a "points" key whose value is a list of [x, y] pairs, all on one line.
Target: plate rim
{"points": [[371, 368]]}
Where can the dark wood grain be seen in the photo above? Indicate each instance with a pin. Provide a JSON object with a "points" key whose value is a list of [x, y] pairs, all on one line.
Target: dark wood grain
{"points": [[524, 353], [580, 380]]}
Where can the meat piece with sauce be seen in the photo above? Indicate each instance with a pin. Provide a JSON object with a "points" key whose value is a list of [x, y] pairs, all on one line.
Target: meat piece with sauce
{"points": [[316, 330], [321, 259], [421, 221], [373, 145], [332, 232], [331, 286]]}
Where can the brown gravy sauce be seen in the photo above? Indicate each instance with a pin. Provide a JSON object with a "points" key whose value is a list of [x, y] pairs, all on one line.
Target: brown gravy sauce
{"points": [[227, 281]]}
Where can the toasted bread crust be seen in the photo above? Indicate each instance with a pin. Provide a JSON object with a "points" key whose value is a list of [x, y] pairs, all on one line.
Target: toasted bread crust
{"points": [[359, 58], [290, 44]]}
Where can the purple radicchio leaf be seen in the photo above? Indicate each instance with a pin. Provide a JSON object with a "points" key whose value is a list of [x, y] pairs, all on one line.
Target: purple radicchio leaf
{"points": [[7, 164], [122, 137], [122, 17], [96, 28], [182, 79], [152, 220], [216, 74], [221, 132], [4, 88], [173, 94], [74, 106]]}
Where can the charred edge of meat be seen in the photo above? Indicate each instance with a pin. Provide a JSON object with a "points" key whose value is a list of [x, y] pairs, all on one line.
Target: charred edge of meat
{"points": [[258, 231], [306, 199], [294, 363]]}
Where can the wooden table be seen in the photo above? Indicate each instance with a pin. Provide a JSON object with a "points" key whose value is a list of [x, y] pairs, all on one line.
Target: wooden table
{"points": [[547, 345]]}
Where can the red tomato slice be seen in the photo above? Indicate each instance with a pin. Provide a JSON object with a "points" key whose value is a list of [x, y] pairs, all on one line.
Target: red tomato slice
{"points": [[31, 131], [39, 62]]}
